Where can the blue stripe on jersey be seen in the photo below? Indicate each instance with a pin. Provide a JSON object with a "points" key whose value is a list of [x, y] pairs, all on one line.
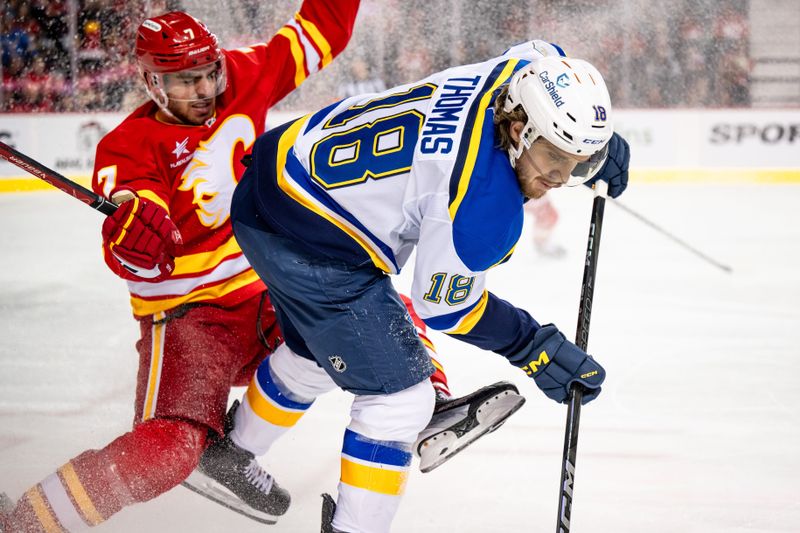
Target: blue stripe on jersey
{"points": [[317, 117], [489, 219], [445, 322], [503, 328], [485, 199], [381, 452], [265, 379], [463, 146], [301, 176]]}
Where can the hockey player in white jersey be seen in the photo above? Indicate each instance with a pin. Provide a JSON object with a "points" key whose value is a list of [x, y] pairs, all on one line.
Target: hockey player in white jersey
{"points": [[336, 200]]}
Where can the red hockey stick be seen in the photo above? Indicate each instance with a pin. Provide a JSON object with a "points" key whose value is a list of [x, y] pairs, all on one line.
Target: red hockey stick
{"points": [[55, 179]]}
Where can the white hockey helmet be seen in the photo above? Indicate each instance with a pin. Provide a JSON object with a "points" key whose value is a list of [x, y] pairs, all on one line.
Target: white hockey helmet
{"points": [[567, 103]]}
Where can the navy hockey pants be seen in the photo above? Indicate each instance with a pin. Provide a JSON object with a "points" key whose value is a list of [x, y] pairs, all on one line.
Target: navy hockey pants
{"points": [[348, 318]]}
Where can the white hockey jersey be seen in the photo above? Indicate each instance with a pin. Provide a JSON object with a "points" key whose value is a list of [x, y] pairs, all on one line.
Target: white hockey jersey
{"points": [[372, 177]]}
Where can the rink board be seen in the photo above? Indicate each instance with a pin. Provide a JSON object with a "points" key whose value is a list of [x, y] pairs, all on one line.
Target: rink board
{"points": [[683, 145]]}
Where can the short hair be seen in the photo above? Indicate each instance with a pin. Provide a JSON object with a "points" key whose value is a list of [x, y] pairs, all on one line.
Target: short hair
{"points": [[503, 119]]}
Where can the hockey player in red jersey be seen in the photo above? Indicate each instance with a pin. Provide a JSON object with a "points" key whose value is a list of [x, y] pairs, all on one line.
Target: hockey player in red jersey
{"points": [[205, 318]]}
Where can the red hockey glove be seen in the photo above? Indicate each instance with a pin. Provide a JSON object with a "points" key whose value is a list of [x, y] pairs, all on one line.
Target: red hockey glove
{"points": [[140, 240]]}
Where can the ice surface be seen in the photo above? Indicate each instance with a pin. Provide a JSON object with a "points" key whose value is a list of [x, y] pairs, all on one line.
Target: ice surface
{"points": [[697, 430]]}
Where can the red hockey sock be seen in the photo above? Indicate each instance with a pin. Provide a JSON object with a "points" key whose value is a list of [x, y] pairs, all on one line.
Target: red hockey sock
{"points": [[136, 467]]}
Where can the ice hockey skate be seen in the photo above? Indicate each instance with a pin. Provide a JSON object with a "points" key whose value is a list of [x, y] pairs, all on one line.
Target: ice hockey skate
{"points": [[231, 476], [328, 509], [458, 422]]}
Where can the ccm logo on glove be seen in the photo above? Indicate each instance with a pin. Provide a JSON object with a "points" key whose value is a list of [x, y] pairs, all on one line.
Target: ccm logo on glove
{"points": [[534, 365], [558, 365]]}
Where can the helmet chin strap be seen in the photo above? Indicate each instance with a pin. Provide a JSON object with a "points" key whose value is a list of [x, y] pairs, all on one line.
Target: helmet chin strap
{"points": [[515, 152], [158, 95]]}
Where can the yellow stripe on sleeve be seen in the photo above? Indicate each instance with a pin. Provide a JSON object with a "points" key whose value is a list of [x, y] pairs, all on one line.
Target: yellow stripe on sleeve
{"points": [[505, 257], [269, 412], [316, 36], [43, 514], [475, 138], [380, 480], [80, 495], [472, 318], [297, 54], [153, 197]]}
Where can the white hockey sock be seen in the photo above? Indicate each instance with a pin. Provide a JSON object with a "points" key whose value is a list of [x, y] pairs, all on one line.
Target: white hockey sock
{"points": [[284, 387], [376, 457]]}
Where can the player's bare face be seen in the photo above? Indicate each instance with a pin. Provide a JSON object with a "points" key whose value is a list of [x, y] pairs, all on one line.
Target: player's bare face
{"points": [[544, 167], [192, 93]]}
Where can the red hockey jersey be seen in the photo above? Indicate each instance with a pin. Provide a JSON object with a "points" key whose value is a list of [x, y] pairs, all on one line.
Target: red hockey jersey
{"points": [[191, 171]]}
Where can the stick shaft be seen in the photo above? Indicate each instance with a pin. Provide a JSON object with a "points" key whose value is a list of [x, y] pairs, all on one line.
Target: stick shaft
{"points": [[57, 180], [581, 340], [673, 238]]}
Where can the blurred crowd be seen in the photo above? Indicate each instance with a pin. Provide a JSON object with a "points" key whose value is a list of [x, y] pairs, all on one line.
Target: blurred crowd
{"points": [[77, 55]]}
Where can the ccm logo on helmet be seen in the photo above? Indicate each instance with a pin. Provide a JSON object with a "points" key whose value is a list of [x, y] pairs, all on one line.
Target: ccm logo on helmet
{"points": [[151, 25], [551, 88]]}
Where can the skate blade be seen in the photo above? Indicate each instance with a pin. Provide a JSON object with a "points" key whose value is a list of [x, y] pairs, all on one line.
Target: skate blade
{"points": [[492, 414], [208, 488]]}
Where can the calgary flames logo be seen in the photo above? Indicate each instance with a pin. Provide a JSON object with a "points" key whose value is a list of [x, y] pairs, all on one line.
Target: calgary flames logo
{"points": [[211, 175]]}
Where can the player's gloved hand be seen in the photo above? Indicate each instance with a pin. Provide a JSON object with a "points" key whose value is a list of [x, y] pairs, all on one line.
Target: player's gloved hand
{"points": [[140, 238], [615, 170], [555, 364]]}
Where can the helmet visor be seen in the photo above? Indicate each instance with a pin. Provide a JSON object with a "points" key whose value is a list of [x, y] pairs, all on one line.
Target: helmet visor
{"points": [[190, 85], [586, 170]]}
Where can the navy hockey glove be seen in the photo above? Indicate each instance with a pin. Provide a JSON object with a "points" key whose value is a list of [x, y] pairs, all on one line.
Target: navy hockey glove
{"points": [[615, 170], [555, 364]]}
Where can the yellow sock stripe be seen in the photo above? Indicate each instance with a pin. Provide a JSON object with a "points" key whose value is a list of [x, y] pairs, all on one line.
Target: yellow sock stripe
{"points": [[43, 514], [437, 364], [297, 54], [374, 479], [155, 367], [269, 412], [317, 37], [127, 222], [79, 494]]}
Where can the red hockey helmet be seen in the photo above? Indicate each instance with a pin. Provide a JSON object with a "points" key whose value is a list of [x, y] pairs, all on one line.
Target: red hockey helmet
{"points": [[175, 42]]}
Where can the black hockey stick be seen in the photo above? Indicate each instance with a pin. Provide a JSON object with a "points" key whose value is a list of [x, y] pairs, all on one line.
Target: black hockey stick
{"points": [[695, 251], [55, 179], [582, 340]]}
